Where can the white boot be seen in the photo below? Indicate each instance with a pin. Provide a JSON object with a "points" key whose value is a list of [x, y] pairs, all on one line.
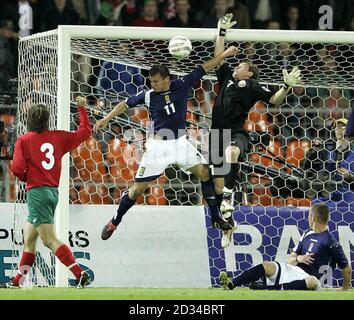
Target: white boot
{"points": [[227, 234], [227, 202]]}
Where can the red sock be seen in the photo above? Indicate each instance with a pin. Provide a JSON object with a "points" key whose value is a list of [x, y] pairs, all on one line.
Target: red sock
{"points": [[67, 258], [24, 267]]}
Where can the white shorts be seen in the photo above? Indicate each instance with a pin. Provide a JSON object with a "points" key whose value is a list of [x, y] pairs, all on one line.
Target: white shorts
{"points": [[160, 154], [286, 273]]}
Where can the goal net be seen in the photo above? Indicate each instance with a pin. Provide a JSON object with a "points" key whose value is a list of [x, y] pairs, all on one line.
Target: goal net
{"points": [[108, 64]]}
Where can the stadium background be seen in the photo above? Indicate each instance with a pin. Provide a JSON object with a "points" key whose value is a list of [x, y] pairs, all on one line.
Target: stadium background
{"points": [[104, 166], [307, 112]]}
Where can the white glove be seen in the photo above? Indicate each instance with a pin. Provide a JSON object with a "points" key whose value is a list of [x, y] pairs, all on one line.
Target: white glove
{"points": [[225, 22], [291, 78]]}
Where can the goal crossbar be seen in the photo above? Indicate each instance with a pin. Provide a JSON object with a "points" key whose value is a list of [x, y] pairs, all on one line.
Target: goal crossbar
{"points": [[203, 34]]}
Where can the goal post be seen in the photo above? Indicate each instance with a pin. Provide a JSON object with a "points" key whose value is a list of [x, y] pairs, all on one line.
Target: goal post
{"points": [[46, 75], [63, 98]]}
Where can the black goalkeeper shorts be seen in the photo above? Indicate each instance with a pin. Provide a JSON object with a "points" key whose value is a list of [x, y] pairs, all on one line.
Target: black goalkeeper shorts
{"points": [[218, 142]]}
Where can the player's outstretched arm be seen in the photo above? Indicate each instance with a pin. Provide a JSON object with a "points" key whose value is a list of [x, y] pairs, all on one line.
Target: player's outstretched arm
{"points": [[212, 63], [75, 138], [119, 108], [224, 24], [347, 277], [85, 128], [290, 80]]}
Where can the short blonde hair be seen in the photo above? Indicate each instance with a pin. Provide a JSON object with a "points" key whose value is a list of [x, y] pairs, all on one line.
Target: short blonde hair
{"points": [[321, 212]]}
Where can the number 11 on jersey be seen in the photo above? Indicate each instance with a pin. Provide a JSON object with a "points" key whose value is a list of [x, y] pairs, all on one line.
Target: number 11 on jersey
{"points": [[168, 107]]}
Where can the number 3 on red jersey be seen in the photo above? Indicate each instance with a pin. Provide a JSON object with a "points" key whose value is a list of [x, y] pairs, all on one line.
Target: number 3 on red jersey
{"points": [[49, 150]]}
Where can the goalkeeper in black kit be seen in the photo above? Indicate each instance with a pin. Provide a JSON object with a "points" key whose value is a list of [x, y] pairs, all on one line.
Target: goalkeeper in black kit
{"points": [[239, 91]]}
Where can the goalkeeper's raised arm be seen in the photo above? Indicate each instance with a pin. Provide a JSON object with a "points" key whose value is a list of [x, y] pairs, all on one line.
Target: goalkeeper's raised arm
{"points": [[224, 24]]}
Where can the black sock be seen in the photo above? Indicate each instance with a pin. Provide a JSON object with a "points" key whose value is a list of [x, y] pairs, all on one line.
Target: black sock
{"points": [[250, 275], [210, 197], [294, 285], [219, 199], [230, 178], [125, 204]]}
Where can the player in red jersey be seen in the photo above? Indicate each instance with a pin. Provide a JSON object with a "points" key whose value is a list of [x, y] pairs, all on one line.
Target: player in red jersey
{"points": [[37, 161]]}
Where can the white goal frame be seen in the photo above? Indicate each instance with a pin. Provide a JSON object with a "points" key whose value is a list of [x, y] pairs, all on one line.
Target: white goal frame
{"points": [[66, 33]]}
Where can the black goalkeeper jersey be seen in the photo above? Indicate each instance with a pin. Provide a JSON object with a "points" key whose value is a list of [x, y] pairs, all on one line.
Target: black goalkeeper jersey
{"points": [[235, 99]]}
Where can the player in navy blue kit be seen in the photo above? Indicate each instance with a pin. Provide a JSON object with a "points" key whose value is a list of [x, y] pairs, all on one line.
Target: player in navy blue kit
{"points": [[316, 251], [167, 143], [239, 91]]}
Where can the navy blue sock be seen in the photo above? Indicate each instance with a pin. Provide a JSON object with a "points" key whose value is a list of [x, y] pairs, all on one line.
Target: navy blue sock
{"points": [[230, 178], [294, 285], [219, 199], [250, 275], [350, 125], [210, 197], [125, 204]]}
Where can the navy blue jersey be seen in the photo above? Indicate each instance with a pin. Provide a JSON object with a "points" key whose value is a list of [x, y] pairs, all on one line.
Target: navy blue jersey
{"points": [[326, 252], [168, 109]]}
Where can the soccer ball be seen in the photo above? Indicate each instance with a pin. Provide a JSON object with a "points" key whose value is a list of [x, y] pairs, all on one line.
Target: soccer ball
{"points": [[180, 47]]}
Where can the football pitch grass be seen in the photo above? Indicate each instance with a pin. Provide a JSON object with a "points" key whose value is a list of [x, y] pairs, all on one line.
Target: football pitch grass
{"points": [[169, 294]]}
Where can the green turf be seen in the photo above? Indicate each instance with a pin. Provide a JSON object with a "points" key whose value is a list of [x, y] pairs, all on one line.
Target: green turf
{"points": [[169, 294]]}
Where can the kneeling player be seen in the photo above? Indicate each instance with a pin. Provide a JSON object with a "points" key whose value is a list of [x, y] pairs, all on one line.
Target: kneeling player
{"points": [[317, 248]]}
